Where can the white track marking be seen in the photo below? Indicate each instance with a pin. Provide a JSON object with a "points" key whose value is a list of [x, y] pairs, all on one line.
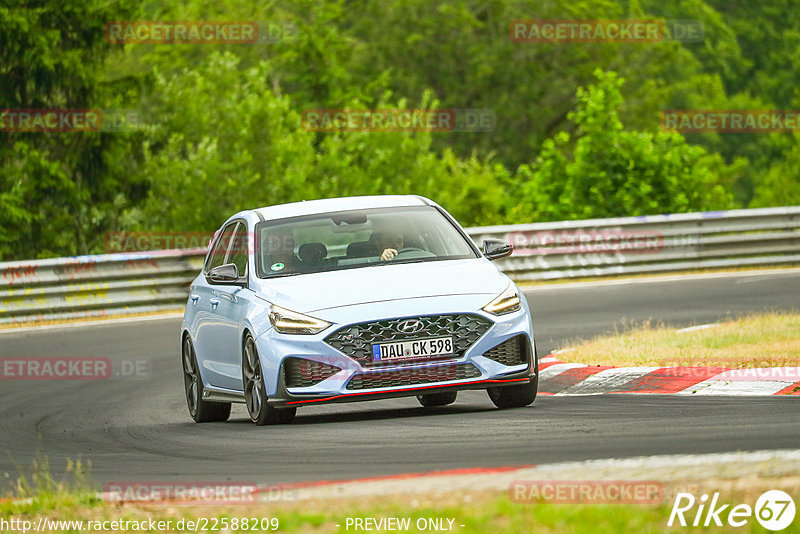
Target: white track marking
{"points": [[608, 380], [727, 387], [762, 374], [695, 328], [557, 369]]}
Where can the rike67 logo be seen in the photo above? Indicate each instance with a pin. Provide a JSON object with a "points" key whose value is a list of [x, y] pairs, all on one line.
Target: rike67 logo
{"points": [[774, 510]]}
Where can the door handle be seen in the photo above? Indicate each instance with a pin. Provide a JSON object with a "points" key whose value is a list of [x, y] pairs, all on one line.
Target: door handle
{"points": [[214, 302]]}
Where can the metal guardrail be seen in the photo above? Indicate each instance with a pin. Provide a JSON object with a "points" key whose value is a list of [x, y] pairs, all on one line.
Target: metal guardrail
{"points": [[109, 284], [649, 244], [100, 285]]}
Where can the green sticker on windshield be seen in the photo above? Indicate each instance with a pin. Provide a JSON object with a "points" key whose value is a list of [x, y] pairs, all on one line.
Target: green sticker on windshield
{"points": [[277, 266]]}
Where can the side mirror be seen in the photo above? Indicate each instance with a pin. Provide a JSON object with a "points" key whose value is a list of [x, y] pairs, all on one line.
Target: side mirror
{"points": [[494, 249], [224, 274]]}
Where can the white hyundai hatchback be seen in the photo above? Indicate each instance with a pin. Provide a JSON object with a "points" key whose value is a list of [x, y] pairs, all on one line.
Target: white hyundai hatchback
{"points": [[352, 299]]}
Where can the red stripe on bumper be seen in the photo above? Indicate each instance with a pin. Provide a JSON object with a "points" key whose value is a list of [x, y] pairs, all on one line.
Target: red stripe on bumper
{"points": [[345, 395]]}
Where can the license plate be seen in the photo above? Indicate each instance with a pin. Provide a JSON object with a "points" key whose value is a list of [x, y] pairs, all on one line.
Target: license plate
{"points": [[419, 348]]}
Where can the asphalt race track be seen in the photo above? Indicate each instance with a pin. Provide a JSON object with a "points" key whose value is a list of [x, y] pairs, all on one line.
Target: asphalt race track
{"points": [[138, 428]]}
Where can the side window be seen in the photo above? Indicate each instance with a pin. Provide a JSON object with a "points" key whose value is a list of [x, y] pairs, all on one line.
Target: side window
{"points": [[238, 250], [217, 255]]}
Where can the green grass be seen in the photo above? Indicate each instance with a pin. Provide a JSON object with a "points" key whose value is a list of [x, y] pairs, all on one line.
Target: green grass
{"points": [[765, 340], [38, 492], [488, 513], [73, 497]]}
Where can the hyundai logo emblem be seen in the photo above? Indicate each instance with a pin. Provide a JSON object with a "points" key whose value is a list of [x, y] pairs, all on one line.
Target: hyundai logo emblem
{"points": [[410, 326]]}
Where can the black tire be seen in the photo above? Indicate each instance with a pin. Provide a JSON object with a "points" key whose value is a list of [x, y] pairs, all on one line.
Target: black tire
{"points": [[517, 396], [202, 411], [514, 396], [437, 399], [255, 394]]}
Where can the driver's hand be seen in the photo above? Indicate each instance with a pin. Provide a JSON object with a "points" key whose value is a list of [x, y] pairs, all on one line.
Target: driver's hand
{"points": [[388, 254]]}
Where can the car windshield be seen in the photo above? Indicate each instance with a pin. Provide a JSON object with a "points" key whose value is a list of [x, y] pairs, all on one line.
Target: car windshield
{"points": [[357, 238]]}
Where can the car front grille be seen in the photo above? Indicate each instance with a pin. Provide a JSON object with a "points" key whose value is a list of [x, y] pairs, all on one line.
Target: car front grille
{"points": [[409, 377], [300, 372], [510, 352], [356, 340]]}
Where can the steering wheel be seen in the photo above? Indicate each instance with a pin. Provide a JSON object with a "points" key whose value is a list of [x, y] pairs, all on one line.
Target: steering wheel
{"points": [[414, 251]]}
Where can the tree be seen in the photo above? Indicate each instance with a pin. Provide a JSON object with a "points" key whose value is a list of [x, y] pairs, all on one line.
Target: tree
{"points": [[781, 184], [225, 141], [60, 191], [611, 172]]}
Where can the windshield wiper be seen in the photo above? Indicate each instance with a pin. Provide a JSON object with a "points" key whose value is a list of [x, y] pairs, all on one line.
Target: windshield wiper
{"points": [[282, 275], [398, 262]]}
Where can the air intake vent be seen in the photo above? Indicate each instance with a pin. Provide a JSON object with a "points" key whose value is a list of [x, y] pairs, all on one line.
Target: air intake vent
{"points": [[510, 352], [303, 373], [409, 377]]}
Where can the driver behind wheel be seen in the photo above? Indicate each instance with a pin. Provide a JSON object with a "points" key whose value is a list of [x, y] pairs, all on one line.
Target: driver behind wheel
{"points": [[389, 241]]}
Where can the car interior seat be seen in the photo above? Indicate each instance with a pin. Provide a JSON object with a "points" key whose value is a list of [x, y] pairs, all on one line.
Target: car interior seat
{"points": [[312, 253], [362, 249]]}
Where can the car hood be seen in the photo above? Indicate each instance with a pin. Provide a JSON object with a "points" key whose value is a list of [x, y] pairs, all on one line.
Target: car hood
{"points": [[321, 291]]}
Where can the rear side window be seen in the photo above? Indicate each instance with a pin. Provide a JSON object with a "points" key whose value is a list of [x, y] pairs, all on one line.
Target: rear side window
{"points": [[217, 255]]}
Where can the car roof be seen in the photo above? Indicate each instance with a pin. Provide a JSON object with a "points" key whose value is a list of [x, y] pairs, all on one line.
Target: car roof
{"points": [[312, 207]]}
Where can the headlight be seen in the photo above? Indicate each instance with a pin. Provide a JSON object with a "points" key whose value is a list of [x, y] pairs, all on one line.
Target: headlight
{"points": [[289, 322], [506, 302]]}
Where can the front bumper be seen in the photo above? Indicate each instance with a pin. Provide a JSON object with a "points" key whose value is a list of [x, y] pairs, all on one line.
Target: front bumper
{"points": [[286, 399], [355, 379]]}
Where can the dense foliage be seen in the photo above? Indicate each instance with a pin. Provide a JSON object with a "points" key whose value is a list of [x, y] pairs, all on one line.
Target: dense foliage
{"points": [[576, 135]]}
